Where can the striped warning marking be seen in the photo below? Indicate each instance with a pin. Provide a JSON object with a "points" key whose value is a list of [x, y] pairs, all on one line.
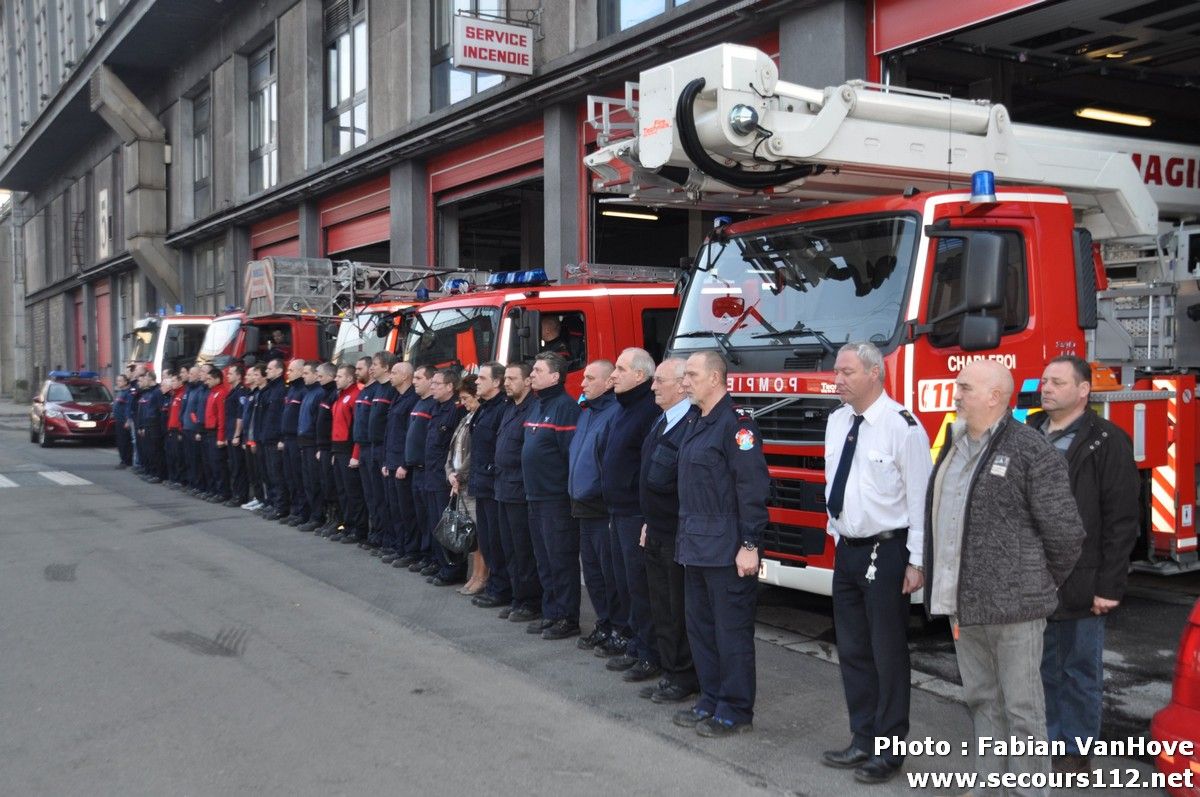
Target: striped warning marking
{"points": [[6, 482], [63, 477]]}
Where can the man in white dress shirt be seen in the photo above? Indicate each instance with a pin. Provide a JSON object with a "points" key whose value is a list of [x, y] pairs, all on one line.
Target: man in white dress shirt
{"points": [[877, 465]]}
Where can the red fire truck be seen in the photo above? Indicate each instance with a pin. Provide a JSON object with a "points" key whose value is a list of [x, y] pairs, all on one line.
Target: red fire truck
{"points": [[880, 229], [167, 341], [604, 310]]}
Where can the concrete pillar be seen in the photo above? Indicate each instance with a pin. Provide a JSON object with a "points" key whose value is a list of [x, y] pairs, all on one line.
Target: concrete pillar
{"points": [[449, 248], [237, 254], [310, 230], [409, 214], [824, 44], [562, 181]]}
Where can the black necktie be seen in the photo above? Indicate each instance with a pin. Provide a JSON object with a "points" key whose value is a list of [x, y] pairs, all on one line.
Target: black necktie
{"points": [[659, 429], [837, 494]]}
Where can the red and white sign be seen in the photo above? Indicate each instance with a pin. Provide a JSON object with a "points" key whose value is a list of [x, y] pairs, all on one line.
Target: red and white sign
{"points": [[935, 395], [492, 46]]}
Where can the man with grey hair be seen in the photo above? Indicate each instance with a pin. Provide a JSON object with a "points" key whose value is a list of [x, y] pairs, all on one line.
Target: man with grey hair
{"points": [[621, 468], [1004, 535], [876, 471]]}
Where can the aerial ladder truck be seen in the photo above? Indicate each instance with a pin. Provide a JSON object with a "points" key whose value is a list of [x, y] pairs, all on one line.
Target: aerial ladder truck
{"points": [[936, 228]]}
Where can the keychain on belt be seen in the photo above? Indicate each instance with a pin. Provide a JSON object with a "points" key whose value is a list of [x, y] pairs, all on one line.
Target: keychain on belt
{"points": [[871, 566]]}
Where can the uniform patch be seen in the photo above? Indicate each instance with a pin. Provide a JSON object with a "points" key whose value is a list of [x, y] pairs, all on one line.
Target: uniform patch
{"points": [[744, 439], [907, 416], [1000, 466]]}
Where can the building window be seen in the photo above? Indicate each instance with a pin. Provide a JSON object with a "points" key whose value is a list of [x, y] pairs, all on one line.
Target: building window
{"points": [[208, 278], [619, 15], [264, 120], [66, 37], [345, 75], [41, 32], [201, 154], [451, 85]]}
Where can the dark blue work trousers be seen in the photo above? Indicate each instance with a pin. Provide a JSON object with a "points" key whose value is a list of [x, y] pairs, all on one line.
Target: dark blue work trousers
{"points": [[595, 556], [629, 568], [487, 525], [555, 537], [518, 555], [719, 607]]}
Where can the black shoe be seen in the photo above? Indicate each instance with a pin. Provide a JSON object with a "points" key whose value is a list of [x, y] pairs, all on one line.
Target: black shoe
{"points": [[713, 728], [525, 615], [431, 569], [849, 758], [400, 565], [593, 639], [672, 693], [449, 581], [486, 601], [215, 499], [377, 553], [615, 645], [272, 515], [405, 560], [327, 531], [876, 770], [350, 539], [296, 520], [341, 535], [642, 671], [154, 480], [388, 558], [537, 626], [233, 503], [646, 692], [621, 663], [418, 566], [310, 526], [505, 612], [561, 630], [688, 717]]}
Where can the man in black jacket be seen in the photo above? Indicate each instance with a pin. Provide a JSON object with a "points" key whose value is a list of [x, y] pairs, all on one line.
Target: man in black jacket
{"points": [[621, 465], [544, 465], [270, 405], [1104, 481], [485, 425], [509, 485]]}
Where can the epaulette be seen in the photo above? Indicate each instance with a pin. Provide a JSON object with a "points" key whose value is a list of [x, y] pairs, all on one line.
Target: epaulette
{"points": [[907, 416], [743, 412]]}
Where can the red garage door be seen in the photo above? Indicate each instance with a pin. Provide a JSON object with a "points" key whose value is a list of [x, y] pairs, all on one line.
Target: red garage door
{"points": [[278, 236], [104, 348], [356, 217]]}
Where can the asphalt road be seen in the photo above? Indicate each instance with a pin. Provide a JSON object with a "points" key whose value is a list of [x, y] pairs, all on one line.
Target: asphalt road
{"points": [[153, 644]]}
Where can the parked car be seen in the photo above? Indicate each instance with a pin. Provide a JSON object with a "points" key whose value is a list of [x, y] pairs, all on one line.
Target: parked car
{"points": [[1179, 721], [72, 405]]}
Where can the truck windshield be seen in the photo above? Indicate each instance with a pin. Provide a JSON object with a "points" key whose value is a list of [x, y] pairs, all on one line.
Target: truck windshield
{"points": [[356, 337], [143, 344], [820, 285], [441, 337], [219, 338]]}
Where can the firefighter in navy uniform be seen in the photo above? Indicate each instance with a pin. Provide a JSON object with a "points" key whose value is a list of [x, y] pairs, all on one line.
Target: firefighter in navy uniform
{"points": [[723, 488]]}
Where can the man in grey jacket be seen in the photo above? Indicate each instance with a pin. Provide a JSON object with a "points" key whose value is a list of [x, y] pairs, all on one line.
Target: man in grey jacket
{"points": [[1005, 535]]}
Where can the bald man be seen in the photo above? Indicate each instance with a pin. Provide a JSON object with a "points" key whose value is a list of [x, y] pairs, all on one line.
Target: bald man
{"points": [[1005, 534]]}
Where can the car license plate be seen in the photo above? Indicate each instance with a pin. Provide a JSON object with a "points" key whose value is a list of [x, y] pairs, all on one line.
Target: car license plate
{"points": [[86, 424]]}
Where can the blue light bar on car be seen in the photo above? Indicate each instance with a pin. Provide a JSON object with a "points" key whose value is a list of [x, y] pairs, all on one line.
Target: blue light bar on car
{"points": [[535, 276], [458, 285], [74, 375]]}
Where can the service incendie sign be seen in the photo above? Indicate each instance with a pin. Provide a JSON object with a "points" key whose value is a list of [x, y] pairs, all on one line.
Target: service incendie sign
{"points": [[492, 46]]}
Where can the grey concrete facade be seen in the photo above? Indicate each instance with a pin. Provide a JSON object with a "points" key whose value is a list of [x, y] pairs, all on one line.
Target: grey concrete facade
{"points": [[72, 224]]}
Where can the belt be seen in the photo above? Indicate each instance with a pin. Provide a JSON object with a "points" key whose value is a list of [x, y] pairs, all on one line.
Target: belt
{"points": [[882, 536]]}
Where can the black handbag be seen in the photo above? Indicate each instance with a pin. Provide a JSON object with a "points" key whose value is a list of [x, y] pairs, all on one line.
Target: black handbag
{"points": [[455, 530]]}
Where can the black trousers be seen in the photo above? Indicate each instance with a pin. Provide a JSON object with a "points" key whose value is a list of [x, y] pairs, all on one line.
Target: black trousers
{"points": [[518, 555], [314, 484], [124, 444], [295, 498], [664, 581], [173, 455], [328, 482], [350, 496], [870, 619], [719, 605], [150, 449], [272, 472], [239, 485], [214, 457], [403, 536], [254, 472]]}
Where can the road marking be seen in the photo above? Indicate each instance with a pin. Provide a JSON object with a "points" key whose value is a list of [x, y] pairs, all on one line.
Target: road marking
{"points": [[6, 482], [64, 478]]}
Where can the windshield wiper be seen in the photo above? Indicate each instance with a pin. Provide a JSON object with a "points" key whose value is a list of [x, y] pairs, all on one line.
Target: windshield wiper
{"points": [[800, 331], [722, 340]]}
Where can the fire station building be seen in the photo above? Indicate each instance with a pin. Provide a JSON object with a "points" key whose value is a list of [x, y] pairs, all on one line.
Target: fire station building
{"points": [[153, 147]]}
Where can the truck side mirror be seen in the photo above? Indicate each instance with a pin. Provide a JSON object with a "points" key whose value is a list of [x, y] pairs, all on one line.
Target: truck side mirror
{"points": [[985, 269], [978, 332]]}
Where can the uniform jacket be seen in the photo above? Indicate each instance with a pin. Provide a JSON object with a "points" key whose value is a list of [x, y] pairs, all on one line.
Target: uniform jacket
{"points": [[1104, 481], [658, 486], [120, 406], [399, 416], [270, 408], [485, 426], [445, 418], [214, 411], [622, 462], [342, 433], [585, 478], [414, 441], [381, 404], [235, 403], [509, 484], [306, 423], [251, 417], [174, 404], [293, 398], [1021, 530], [362, 413], [723, 486], [324, 428], [546, 448], [195, 397], [149, 411]]}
